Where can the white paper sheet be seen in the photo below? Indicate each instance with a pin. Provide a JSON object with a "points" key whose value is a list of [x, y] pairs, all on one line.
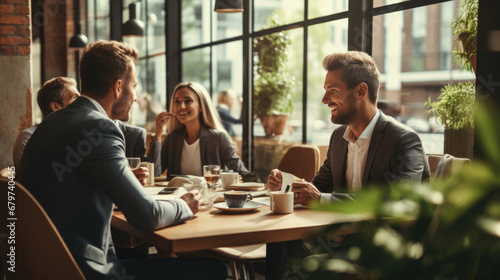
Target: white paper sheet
{"points": [[288, 179]]}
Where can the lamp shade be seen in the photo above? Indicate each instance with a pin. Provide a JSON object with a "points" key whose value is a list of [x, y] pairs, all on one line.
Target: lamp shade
{"points": [[133, 26], [78, 41], [228, 6]]}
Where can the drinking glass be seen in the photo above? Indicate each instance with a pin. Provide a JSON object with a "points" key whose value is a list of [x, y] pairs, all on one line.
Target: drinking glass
{"points": [[133, 162], [212, 175]]}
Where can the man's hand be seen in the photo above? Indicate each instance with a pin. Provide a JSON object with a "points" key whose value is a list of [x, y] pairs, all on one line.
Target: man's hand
{"points": [[193, 199], [274, 180], [141, 173], [304, 192]]}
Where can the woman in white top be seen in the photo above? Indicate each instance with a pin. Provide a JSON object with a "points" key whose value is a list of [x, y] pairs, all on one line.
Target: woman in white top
{"points": [[195, 136]]}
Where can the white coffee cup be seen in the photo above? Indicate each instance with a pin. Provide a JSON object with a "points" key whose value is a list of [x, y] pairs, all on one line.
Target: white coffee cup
{"points": [[228, 178], [151, 170], [281, 203]]}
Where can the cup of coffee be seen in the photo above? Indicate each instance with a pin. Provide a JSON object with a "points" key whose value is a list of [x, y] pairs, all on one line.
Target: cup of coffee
{"points": [[237, 199], [151, 170], [281, 203], [228, 178]]}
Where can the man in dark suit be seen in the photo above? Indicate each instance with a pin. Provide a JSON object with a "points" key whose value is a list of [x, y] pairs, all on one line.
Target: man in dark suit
{"points": [[370, 148], [135, 140], [75, 166]]}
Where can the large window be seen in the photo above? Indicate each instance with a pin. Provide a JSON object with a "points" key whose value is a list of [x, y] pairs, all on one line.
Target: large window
{"points": [[411, 42], [414, 58]]}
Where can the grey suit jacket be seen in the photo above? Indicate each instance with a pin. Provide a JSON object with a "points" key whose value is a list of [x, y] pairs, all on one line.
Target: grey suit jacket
{"points": [[215, 148], [75, 166], [135, 140], [395, 153]]}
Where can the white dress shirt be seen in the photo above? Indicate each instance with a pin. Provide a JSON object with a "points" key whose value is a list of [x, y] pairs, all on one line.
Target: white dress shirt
{"points": [[357, 150]]}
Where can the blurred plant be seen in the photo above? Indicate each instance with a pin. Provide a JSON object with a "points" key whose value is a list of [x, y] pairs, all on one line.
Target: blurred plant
{"points": [[272, 89], [447, 229], [455, 106], [464, 27]]}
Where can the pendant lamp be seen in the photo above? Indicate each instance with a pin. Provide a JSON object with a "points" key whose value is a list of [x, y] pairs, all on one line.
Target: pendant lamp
{"points": [[228, 6]]}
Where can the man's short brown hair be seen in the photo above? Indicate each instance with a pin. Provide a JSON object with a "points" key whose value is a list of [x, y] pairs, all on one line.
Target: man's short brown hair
{"points": [[103, 63], [357, 67], [53, 91]]}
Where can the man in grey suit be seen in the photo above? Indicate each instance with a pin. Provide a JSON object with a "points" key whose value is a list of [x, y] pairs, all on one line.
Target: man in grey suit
{"points": [[370, 148], [75, 166]]}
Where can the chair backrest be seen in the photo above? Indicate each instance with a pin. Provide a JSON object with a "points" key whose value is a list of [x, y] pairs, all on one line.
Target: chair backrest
{"points": [[301, 161], [454, 167], [40, 251]]}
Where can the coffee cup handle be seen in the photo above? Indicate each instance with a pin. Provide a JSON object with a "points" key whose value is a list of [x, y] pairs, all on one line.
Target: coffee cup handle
{"points": [[251, 197]]}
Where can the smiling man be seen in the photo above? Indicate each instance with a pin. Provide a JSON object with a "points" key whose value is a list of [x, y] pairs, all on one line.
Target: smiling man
{"points": [[369, 148]]}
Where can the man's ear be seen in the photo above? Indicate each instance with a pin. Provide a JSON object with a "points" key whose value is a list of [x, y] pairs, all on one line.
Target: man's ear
{"points": [[55, 106], [362, 90], [118, 88]]}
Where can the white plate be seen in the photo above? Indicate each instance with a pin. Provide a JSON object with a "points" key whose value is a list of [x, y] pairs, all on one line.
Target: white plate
{"points": [[246, 186], [249, 206]]}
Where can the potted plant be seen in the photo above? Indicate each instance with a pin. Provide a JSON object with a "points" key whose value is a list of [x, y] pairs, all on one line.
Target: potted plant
{"points": [[455, 110], [273, 85], [465, 29]]}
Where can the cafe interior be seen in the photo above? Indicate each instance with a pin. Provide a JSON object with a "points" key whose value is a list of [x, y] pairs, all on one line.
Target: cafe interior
{"points": [[268, 54]]}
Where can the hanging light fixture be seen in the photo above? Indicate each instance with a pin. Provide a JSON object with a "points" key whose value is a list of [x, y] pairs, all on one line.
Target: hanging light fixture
{"points": [[228, 6], [78, 40], [132, 27]]}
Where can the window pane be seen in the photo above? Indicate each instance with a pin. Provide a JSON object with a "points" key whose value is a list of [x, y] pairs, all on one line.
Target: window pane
{"points": [[411, 65], [289, 11], [227, 73], [227, 25], [102, 20], [151, 95], [196, 67], [323, 39], [195, 21], [155, 26], [319, 8]]}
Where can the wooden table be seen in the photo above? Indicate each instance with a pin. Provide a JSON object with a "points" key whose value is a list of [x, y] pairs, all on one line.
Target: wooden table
{"points": [[214, 228]]}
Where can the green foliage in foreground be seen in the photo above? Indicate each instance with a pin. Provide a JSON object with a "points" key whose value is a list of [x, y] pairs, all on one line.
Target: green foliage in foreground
{"points": [[447, 229]]}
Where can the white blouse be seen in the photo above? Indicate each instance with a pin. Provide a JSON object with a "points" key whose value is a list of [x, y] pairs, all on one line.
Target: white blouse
{"points": [[191, 159]]}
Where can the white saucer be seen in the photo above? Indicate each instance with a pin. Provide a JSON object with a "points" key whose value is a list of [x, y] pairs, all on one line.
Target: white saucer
{"points": [[249, 206]]}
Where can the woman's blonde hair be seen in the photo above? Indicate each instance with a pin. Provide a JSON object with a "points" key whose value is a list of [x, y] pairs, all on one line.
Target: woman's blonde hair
{"points": [[208, 115]]}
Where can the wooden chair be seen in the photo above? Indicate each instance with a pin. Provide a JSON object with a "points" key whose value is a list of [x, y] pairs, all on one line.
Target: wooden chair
{"points": [[456, 165], [40, 251], [302, 161]]}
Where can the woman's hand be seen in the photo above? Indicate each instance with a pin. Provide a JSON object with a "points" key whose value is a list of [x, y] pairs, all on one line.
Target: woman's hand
{"points": [[160, 121]]}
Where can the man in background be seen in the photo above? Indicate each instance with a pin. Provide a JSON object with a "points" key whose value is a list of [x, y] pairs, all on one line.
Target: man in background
{"points": [[225, 102], [55, 94]]}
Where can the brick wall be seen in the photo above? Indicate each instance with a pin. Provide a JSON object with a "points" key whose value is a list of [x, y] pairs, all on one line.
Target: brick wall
{"points": [[14, 27], [15, 74]]}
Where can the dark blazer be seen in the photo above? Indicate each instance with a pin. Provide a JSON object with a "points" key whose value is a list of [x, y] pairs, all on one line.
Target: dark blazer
{"points": [[395, 153], [215, 148], [135, 140], [75, 166]]}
